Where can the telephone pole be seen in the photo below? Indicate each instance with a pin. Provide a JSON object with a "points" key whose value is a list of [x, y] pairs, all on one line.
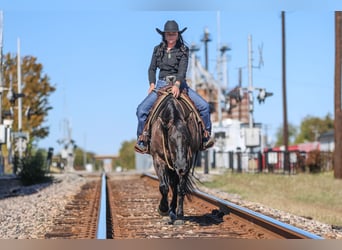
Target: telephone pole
{"points": [[285, 126], [20, 103], [205, 40], [338, 96]]}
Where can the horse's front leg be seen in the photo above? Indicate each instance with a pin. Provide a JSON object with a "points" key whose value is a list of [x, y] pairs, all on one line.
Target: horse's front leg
{"points": [[174, 181], [159, 166], [181, 194], [163, 208]]}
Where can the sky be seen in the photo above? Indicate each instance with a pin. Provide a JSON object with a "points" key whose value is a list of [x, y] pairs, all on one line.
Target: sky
{"points": [[96, 54]]}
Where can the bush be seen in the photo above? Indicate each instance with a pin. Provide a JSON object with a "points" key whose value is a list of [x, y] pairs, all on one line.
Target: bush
{"points": [[32, 169], [313, 161]]}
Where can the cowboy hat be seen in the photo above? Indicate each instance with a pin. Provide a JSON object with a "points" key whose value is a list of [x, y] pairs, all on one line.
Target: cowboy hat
{"points": [[170, 26]]}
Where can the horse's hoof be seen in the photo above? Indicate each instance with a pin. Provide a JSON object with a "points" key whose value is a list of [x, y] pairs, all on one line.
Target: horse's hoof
{"points": [[173, 216], [218, 213], [163, 213]]}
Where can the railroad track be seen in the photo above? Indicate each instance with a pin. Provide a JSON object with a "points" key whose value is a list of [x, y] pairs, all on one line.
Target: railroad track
{"points": [[128, 210]]}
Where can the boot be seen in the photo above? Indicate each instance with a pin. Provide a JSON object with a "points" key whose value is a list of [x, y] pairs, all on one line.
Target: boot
{"points": [[140, 147], [208, 143]]}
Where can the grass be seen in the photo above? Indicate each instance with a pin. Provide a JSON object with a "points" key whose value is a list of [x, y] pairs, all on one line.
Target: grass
{"points": [[318, 196]]}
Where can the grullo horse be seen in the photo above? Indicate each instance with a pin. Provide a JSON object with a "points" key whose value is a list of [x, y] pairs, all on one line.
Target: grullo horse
{"points": [[175, 142]]}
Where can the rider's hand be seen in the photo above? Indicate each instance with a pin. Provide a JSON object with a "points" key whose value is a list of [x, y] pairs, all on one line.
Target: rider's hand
{"points": [[151, 88], [175, 89]]}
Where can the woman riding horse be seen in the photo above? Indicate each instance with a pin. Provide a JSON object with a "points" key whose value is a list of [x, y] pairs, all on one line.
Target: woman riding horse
{"points": [[174, 146], [171, 57]]}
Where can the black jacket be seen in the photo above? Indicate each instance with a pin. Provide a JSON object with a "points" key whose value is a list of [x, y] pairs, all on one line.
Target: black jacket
{"points": [[174, 63]]}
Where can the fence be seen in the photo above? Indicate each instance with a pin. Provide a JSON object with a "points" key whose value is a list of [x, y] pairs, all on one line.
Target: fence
{"points": [[237, 161], [273, 161]]}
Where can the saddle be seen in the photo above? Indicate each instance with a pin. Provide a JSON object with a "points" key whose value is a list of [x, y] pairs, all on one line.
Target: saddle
{"points": [[164, 92]]}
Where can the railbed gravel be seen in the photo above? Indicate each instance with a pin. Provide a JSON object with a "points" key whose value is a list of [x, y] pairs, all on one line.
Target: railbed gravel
{"points": [[27, 212], [315, 227], [30, 213]]}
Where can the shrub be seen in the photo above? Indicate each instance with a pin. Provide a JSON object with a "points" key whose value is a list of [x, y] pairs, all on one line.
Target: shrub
{"points": [[32, 169], [313, 161]]}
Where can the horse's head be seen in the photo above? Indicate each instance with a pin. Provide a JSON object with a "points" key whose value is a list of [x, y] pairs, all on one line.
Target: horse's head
{"points": [[178, 144], [177, 137]]}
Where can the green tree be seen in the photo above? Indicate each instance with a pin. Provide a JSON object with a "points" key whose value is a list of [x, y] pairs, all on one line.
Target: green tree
{"points": [[292, 132], [36, 87], [126, 155], [312, 127], [79, 159]]}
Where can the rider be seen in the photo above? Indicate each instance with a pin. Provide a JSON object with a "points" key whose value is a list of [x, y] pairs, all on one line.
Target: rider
{"points": [[171, 57]]}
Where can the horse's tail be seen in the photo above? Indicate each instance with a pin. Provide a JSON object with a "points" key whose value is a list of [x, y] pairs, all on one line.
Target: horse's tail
{"points": [[190, 185]]}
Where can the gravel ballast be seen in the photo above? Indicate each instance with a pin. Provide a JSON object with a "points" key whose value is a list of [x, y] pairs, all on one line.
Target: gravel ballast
{"points": [[29, 212]]}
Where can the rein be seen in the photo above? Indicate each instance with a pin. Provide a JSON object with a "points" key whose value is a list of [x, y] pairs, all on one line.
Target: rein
{"points": [[166, 158]]}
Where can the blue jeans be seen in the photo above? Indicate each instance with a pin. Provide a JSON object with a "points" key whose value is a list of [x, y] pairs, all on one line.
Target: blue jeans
{"points": [[145, 106]]}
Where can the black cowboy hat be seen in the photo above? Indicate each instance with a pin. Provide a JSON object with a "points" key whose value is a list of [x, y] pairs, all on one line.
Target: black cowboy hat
{"points": [[170, 26]]}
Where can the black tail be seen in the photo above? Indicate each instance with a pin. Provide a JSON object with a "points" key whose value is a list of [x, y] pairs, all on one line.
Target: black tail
{"points": [[190, 185]]}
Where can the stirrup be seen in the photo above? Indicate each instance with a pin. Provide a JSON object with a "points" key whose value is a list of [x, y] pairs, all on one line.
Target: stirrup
{"points": [[140, 148], [208, 144]]}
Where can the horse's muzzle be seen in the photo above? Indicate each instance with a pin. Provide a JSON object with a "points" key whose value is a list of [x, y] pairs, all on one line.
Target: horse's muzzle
{"points": [[181, 171]]}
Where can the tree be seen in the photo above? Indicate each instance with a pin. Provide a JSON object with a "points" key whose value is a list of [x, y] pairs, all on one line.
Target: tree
{"points": [[36, 87], [312, 127], [126, 155], [292, 132], [79, 159]]}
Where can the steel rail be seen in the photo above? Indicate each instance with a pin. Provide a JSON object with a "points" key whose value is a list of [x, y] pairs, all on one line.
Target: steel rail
{"points": [[285, 230], [101, 232]]}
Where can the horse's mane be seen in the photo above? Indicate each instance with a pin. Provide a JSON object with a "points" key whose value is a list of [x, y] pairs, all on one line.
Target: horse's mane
{"points": [[169, 109]]}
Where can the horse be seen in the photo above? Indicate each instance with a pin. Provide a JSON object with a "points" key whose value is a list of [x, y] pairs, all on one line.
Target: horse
{"points": [[175, 142]]}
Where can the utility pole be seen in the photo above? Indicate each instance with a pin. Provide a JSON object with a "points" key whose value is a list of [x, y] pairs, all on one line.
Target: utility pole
{"points": [[193, 49], [20, 103], [250, 81], [224, 78], [285, 126], [85, 151], [338, 96], [240, 86], [206, 39]]}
